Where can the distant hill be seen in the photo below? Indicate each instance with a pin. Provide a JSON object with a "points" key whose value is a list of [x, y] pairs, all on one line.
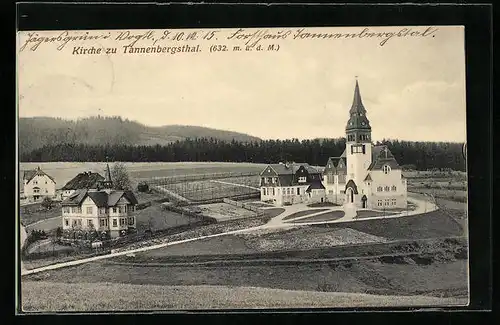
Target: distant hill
{"points": [[35, 132]]}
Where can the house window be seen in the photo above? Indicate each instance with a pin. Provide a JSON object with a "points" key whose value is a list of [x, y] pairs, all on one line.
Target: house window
{"points": [[103, 211], [298, 190], [386, 202], [263, 180], [264, 191], [114, 210], [74, 223], [66, 210], [79, 222], [35, 182], [268, 179], [386, 169], [89, 210], [115, 224], [393, 188], [66, 222], [77, 210], [36, 190], [386, 188], [272, 180], [302, 179], [393, 201], [330, 192], [379, 189], [379, 203], [272, 191], [124, 209], [131, 221], [101, 222], [90, 223]]}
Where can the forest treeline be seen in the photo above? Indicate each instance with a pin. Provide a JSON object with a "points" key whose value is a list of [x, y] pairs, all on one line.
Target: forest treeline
{"points": [[36, 132], [419, 155]]}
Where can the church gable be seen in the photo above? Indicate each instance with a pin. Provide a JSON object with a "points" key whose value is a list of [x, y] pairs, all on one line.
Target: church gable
{"points": [[382, 156]]}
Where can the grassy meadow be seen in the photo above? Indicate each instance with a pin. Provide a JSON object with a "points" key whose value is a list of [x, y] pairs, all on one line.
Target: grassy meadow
{"points": [[47, 296]]}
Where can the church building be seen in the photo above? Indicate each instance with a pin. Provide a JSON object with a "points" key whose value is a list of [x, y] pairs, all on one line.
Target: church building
{"points": [[365, 175]]}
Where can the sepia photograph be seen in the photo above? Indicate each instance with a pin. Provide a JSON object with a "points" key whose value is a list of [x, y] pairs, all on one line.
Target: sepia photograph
{"points": [[242, 168]]}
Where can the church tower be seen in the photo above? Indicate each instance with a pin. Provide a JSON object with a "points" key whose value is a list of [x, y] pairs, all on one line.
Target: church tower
{"points": [[107, 183], [358, 142]]}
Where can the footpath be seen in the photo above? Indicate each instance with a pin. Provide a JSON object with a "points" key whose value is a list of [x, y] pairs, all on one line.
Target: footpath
{"points": [[422, 206]]}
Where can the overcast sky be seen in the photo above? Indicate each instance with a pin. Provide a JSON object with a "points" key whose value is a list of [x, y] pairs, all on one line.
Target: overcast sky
{"points": [[412, 88]]}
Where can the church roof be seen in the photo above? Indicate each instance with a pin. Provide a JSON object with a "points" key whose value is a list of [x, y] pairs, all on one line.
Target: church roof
{"points": [[381, 156], [83, 181], [315, 186], [357, 119]]}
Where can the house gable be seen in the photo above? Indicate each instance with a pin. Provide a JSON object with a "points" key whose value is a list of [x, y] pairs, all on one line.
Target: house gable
{"points": [[268, 171]]}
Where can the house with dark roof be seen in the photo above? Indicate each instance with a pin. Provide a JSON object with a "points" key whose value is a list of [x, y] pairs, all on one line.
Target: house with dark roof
{"points": [[100, 208], [37, 185], [335, 178], [290, 183], [85, 180], [365, 175]]}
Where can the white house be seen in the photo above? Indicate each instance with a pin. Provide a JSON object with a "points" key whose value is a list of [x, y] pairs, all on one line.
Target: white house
{"points": [[290, 183], [37, 184], [365, 175], [102, 209]]}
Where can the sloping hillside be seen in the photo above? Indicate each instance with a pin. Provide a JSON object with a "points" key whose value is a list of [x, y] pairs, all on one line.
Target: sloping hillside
{"points": [[35, 132]]}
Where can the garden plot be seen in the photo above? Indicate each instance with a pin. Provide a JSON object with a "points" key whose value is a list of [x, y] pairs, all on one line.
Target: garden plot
{"points": [[210, 190], [304, 239], [224, 211]]}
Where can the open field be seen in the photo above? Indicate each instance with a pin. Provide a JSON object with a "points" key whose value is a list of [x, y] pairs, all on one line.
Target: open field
{"points": [[412, 275], [62, 172], [433, 224], [296, 237], [46, 296]]}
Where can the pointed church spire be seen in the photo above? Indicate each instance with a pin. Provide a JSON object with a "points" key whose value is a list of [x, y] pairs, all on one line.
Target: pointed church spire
{"points": [[357, 113], [357, 103], [108, 173]]}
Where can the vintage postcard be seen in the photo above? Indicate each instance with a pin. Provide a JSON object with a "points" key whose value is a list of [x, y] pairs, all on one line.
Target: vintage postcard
{"points": [[207, 169]]}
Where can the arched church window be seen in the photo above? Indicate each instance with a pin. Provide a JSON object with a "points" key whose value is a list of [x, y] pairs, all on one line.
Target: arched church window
{"points": [[386, 169]]}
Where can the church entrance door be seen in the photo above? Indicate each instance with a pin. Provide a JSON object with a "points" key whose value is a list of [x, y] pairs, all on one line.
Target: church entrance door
{"points": [[364, 199], [350, 195]]}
